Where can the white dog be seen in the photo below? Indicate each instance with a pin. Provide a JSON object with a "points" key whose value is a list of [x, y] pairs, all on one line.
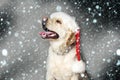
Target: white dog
{"points": [[62, 63]]}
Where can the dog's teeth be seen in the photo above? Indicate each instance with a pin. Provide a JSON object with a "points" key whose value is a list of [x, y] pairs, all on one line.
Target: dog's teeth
{"points": [[53, 35]]}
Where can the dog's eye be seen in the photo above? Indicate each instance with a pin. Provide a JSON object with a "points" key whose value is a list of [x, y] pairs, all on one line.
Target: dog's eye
{"points": [[58, 21]]}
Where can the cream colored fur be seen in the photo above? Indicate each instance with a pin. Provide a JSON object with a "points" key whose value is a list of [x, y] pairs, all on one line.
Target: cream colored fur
{"points": [[62, 64]]}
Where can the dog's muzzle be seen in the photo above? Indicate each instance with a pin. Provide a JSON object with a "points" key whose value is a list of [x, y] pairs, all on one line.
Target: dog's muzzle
{"points": [[47, 34], [44, 22]]}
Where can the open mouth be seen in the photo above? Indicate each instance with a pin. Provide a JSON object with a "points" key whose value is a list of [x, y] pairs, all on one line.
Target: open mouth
{"points": [[49, 34]]}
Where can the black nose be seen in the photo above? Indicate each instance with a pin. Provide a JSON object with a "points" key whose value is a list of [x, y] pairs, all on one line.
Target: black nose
{"points": [[44, 22]]}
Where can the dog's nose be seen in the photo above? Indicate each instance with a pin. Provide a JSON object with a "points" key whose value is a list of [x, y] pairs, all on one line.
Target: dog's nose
{"points": [[44, 22]]}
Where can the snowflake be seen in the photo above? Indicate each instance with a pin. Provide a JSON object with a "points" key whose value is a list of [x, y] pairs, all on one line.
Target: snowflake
{"points": [[94, 20], [36, 71], [87, 19], [93, 52], [67, 7], [108, 42], [118, 63], [100, 14], [28, 54], [21, 2], [39, 21], [20, 42], [23, 11], [107, 3], [86, 23], [75, 3], [34, 40], [104, 59], [4, 52], [89, 9], [23, 74], [110, 8], [115, 11], [14, 8], [118, 52], [1, 19], [31, 7], [9, 32], [97, 6], [7, 71], [98, 75], [82, 75], [44, 62], [3, 63], [64, 3], [24, 50], [78, 7], [58, 8], [108, 60], [71, 11], [16, 34], [11, 79], [8, 23], [20, 59], [87, 62], [12, 62]]}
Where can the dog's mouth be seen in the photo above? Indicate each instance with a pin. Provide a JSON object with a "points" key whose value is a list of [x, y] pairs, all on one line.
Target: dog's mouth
{"points": [[47, 34]]}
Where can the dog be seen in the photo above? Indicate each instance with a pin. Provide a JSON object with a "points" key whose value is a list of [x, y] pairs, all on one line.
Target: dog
{"points": [[62, 63]]}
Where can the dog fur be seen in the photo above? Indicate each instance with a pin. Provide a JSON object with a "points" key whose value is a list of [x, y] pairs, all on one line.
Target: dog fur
{"points": [[61, 62]]}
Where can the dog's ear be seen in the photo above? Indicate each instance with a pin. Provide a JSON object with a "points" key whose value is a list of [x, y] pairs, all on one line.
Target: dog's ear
{"points": [[70, 38]]}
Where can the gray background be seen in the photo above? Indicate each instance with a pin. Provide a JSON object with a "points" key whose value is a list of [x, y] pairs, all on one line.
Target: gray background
{"points": [[23, 53]]}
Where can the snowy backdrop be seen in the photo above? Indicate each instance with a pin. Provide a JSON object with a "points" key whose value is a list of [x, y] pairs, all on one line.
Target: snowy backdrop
{"points": [[23, 53]]}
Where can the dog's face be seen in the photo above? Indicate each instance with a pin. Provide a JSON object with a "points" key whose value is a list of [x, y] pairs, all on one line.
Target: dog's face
{"points": [[60, 26]]}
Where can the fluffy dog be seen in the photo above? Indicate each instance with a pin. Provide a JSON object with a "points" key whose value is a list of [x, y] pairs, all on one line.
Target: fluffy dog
{"points": [[62, 63]]}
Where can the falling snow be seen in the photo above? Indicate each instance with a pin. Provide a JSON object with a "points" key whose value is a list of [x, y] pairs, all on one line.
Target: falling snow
{"points": [[23, 52], [118, 63], [58, 8], [97, 6], [82, 75], [94, 20], [16, 34], [11, 79], [9, 32], [4, 52], [1, 19], [118, 52], [100, 14], [87, 19], [36, 71], [108, 60], [104, 59], [3, 63], [89, 9]]}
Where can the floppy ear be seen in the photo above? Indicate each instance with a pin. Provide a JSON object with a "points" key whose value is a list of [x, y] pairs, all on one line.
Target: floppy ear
{"points": [[70, 38]]}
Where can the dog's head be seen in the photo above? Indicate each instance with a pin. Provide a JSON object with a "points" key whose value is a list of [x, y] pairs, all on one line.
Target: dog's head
{"points": [[60, 27]]}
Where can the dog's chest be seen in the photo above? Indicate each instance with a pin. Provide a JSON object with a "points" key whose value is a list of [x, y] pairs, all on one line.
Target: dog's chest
{"points": [[61, 65]]}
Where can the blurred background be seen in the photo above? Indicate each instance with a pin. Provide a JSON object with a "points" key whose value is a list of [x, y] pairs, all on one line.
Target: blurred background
{"points": [[23, 53]]}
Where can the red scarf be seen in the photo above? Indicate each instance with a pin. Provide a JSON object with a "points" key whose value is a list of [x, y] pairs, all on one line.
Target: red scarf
{"points": [[77, 35]]}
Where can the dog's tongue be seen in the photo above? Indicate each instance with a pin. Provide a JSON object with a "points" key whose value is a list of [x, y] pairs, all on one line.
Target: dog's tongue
{"points": [[48, 34]]}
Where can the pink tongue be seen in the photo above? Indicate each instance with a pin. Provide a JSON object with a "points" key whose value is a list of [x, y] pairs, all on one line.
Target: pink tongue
{"points": [[46, 34]]}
